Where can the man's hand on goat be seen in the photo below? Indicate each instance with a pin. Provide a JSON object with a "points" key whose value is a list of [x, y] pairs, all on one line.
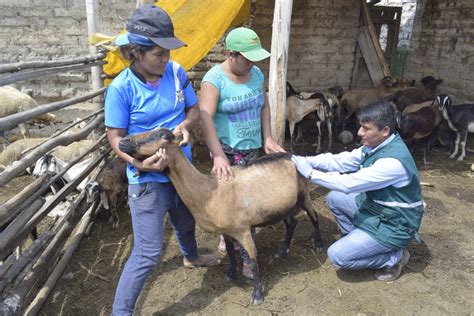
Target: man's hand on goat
{"points": [[157, 162], [221, 168], [180, 130], [272, 146], [303, 166]]}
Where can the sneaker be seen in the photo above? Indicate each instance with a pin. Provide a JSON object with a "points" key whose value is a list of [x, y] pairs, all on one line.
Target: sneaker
{"points": [[392, 273]]}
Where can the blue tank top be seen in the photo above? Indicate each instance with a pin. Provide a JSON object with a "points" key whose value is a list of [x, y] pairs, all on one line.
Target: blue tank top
{"points": [[238, 114]]}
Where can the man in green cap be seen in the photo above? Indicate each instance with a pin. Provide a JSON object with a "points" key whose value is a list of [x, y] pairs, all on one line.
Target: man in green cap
{"points": [[235, 114]]}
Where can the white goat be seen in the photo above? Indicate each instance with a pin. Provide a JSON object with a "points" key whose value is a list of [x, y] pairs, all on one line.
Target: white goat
{"points": [[13, 101]]}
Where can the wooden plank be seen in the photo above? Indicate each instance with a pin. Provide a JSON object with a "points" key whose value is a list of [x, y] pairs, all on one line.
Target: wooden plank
{"points": [[370, 56], [30, 158], [13, 67], [374, 39], [27, 75], [9, 122]]}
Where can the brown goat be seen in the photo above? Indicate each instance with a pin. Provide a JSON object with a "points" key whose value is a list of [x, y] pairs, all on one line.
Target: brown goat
{"points": [[111, 184], [261, 193], [414, 95], [354, 99]]}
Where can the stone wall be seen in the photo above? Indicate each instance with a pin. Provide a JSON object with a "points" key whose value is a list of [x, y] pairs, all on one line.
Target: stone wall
{"points": [[442, 45], [47, 30], [322, 41], [321, 53]]}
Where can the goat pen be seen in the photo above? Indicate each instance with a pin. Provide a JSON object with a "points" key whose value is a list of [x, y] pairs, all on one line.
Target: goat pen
{"points": [[26, 280]]}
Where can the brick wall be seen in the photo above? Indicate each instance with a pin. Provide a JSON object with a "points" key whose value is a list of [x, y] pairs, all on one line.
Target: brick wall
{"points": [[46, 30], [322, 41], [321, 47], [442, 45]]}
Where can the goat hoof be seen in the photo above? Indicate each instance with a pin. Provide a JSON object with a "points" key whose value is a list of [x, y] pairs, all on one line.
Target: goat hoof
{"points": [[257, 299], [319, 247], [230, 276], [281, 253]]}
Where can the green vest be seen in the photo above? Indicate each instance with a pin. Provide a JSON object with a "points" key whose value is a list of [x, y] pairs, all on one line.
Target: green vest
{"points": [[392, 215]]}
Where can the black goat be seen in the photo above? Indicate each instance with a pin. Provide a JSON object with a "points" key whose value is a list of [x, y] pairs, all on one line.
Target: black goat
{"points": [[419, 123], [460, 119]]}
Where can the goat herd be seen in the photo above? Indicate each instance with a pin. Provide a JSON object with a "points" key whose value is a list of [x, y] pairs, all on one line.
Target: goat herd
{"points": [[422, 114]]}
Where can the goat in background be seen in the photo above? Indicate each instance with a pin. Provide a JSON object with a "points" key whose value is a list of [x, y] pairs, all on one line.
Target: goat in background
{"points": [[299, 105], [419, 122], [460, 119]]}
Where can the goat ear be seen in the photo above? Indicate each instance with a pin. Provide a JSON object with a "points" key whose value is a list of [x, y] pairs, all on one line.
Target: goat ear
{"points": [[448, 101]]}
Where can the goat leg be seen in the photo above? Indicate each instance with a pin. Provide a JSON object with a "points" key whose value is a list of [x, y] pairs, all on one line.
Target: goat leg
{"points": [[229, 246], [313, 216], [257, 294], [290, 223], [299, 133], [249, 245], [292, 130], [318, 148], [114, 209], [329, 125], [463, 137], [456, 146]]}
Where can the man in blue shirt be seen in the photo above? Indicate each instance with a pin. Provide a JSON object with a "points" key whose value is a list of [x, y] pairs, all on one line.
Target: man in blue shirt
{"points": [[375, 198]]}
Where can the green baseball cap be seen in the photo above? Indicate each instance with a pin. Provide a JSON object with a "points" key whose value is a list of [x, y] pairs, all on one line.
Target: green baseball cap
{"points": [[246, 42]]}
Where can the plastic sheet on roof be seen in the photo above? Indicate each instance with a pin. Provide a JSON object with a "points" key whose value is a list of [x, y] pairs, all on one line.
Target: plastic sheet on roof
{"points": [[199, 23]]}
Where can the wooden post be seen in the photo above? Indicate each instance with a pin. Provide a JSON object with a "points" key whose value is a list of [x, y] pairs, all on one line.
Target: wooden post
{"points": [[278, 67], [97, 83]]}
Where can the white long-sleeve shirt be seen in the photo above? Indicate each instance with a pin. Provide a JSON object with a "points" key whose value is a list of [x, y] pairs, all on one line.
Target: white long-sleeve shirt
{"points": [[383, 173]]}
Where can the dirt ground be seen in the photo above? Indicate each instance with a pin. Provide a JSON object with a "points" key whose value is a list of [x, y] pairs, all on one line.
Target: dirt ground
{"points": [[438, 279]]}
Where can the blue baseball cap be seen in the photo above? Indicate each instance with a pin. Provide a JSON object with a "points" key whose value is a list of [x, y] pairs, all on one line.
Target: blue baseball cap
{"points": [[150, 25]]}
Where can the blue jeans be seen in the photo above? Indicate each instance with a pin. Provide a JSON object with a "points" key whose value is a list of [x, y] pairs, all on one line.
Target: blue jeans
{"points": [[356, 249], [149, 203]]}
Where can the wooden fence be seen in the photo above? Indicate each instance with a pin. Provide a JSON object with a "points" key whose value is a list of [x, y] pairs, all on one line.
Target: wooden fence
{"points": [[26, 280]]}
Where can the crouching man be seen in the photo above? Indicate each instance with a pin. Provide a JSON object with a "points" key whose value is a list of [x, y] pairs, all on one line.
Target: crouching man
{"points": [[375, 195]]}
